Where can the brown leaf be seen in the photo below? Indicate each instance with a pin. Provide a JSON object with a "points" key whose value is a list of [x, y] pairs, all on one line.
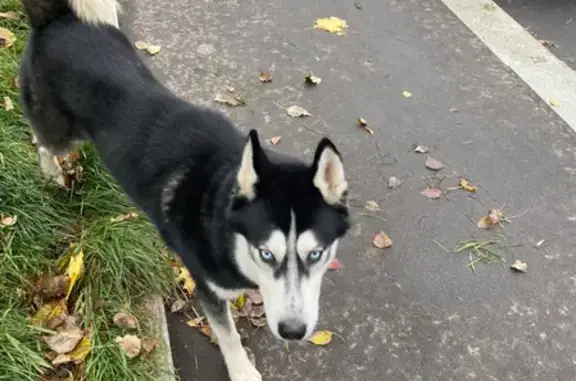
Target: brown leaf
{"points": [[229, 99], [52, 287], [275, 140], [297, 111], [432, 193], [465, 184], [49, 311], [433, 164], [382, 241], [493, 219], [372, 206], [149, 345], [131, 345], [177, 306], [364, 126], [125, 320], [7, 38], [207, 331], [6, 221], [519, 266], [65, 339], [265, 77], [10, 15], [335, 264], [124, 217], [61, 359], [82, 349], [258, 321], [311, 79], [254, 296], [8, 104]]}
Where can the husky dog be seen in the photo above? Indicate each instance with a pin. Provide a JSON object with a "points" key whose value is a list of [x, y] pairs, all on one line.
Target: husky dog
{"points": [[240, 216]]}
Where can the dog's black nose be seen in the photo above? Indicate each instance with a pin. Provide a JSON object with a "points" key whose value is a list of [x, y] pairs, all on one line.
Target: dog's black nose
{"points": [[291, 330]]}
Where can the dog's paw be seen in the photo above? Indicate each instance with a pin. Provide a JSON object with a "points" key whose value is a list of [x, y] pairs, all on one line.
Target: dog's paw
{"points": [[242, 369]]}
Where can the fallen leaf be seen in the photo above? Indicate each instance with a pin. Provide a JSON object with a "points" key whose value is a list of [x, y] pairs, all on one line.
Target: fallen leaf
{"points": [[149, 345], [453, 109], [49, 311], [254, 296], [17, 82], [548, 43], [258, 321], [189, 284], [61, 359], [553, 102], [8, 221], [407, 94], [10, 15], [432, 193], [8, 104], [335, 264], [465, 184], [332, 25], [297, 111], [177, 306], [372, 206], [321, 338], [207, 331], [394, 182], [265, 77], [131, 345], [240, 302], [364, 125], [124, 217], [148, 47], [65, 339], [311, 79], [540, 243], [124, 320], [433, 164], [382, 241], [82, 349], [421, 148], [489, 7], [74, 270], [493, 219], [7, 38], [51, 287], [196, 322], [229, 99], [519, 266], [275, 140]]}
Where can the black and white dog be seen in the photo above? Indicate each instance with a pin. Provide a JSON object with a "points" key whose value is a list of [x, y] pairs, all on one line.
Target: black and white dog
{"points": [[239, 215]]}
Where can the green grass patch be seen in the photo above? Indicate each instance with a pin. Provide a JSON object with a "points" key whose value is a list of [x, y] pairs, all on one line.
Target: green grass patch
{"points": [[123, 261]]}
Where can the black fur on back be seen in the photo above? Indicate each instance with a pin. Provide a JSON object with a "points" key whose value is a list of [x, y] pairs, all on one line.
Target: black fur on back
{"points": [[86, 82], [41, 12]]}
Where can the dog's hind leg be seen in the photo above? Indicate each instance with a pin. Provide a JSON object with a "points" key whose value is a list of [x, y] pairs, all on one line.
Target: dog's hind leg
{"points": [[239, 366]]}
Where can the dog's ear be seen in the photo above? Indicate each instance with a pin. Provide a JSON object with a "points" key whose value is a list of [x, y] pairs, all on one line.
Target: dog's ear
{"points": [[249, 172], [328, 173]]}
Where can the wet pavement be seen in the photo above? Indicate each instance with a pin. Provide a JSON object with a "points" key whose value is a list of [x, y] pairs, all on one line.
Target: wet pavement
{"points": [[414, 311]]}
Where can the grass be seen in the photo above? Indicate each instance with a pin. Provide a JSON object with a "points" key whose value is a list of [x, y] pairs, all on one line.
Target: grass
{"points": [[481, 251], [123, 261]]}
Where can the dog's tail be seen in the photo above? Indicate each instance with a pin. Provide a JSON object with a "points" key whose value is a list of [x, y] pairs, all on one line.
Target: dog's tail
{"points": [[96, 12]]}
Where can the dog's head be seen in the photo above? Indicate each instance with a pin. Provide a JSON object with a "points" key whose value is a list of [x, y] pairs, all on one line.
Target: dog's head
{"points": [[288, 219]]}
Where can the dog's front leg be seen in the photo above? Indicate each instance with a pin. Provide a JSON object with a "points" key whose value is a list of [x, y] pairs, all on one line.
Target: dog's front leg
{"points": [[220, 319]]}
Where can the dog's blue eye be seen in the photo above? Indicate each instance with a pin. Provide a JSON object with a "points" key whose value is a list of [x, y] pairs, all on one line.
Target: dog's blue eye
{"points": [[267, 256], [314, 256]]}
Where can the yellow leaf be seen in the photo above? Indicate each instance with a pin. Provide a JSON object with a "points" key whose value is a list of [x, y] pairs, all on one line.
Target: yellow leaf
{"points": [[196, 322], [321, 338], [275, 140], [81, 351], [331, 24], [311, 79], [465, 184], [240, 302], [48, 312], [407, 94], [148, 47], [554, 102], [7, 38], [189, 285], [74, 270]]}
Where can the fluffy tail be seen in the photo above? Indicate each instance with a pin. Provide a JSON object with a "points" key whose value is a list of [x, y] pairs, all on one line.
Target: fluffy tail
{"points": [[96, 12]]}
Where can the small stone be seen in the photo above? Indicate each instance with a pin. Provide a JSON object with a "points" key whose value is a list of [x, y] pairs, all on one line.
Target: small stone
{"points": [[394, 182]]}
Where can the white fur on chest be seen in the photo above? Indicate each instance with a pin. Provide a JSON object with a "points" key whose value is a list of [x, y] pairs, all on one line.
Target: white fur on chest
{"points": [[225, 293]]}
